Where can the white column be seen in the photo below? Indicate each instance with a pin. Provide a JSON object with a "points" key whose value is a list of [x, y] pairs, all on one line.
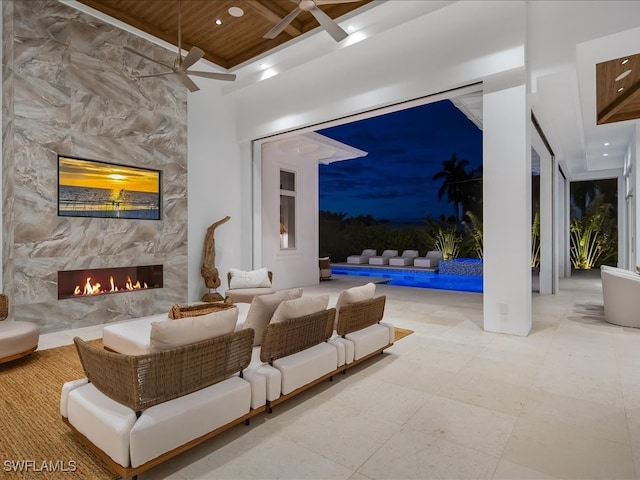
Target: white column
{"points": [[546, 222], [507, 210]]}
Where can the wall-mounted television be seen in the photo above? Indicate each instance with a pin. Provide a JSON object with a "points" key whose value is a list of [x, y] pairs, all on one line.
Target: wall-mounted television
{"points": [[90, 188]]}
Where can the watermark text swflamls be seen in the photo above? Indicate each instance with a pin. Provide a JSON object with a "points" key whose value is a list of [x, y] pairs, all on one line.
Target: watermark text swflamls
{"points": [[40, 466]]}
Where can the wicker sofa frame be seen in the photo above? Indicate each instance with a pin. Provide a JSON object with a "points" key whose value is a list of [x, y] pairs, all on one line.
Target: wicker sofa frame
{"points": [[141, 381], [286, 338]]}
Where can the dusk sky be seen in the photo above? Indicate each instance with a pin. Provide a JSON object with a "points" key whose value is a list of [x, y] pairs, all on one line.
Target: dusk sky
{"points": [[406, 148]]}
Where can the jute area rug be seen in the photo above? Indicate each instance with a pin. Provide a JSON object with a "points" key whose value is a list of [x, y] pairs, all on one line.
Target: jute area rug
{"points": [[401, 333], [34, 442]]}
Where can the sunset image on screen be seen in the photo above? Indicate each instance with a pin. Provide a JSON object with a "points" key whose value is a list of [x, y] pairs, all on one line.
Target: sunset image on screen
{"points": [[81, 173], [96, 189]]}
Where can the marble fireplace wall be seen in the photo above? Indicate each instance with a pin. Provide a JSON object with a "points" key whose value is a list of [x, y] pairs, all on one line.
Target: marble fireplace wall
{"points": [[68, 89]]}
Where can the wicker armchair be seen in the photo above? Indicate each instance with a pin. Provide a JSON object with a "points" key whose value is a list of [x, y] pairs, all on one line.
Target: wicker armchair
{"points": [[141, 381], [295, 335], [283, 340], [245, 295], [128, 407], [17, 339], [324, 263], [361, 324]]}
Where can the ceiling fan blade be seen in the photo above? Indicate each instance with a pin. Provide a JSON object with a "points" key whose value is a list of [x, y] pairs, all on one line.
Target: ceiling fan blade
{"points": [[329, 25], [154, 75], [282, 24], [192, 57], [215, 76], [148, 58], [187, 82]]}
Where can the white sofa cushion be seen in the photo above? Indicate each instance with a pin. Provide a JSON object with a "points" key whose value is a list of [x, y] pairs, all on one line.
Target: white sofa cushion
{"points": [[249, 278], [243, 311], [369, 339], [300, 307], [392, 331], [258, 384], [168, 425], [64, 395], [184, 331], [353, 295], [262, 309], [272, 376], [131, 337], [346, 350], [306, 366], [105, 422]]}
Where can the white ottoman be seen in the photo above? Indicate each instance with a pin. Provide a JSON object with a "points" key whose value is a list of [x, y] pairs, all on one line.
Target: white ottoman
{"points": [[17, 339]]}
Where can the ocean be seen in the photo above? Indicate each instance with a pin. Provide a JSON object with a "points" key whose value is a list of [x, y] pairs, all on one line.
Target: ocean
{"points": [[103, 202]]}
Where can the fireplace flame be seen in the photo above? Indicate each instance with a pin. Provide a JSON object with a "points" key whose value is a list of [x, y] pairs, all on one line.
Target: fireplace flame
{"points": [[96, 289]]}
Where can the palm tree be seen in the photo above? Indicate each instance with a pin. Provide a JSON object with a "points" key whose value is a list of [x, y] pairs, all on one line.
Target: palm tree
{"points": [[454, 174]]}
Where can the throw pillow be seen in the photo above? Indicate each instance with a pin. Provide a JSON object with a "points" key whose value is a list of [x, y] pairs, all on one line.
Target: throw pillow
{"points": [[262, 309], [176, 333], [353, 295], [300, 307], [249, 279]]}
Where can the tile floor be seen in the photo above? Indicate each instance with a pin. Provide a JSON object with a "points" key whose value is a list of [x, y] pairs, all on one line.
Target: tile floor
{"points": [[450, 401]]}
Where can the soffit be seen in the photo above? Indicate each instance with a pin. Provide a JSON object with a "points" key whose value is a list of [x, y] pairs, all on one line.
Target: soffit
{"points": [[618, 89]]}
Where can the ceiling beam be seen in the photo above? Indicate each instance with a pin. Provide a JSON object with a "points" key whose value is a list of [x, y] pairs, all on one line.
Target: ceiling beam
{"points": [[614, 107], [268, 12]]}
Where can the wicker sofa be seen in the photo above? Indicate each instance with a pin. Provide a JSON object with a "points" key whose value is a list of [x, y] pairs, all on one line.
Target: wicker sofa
{"points": [[127, 403]]}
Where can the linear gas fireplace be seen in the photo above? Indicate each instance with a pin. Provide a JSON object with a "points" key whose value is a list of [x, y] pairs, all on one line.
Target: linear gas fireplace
{"points": [[103, 281]]}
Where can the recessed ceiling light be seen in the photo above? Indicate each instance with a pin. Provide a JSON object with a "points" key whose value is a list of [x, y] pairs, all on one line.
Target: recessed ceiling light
{"points": [[622, 75], [620, 89], [236, 12], [351, 28], [218, 21], [606, 144], [605, 155], [625, 61]]}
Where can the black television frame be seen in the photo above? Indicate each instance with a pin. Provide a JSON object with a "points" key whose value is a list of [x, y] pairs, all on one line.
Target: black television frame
{"points": [[94, 201]]}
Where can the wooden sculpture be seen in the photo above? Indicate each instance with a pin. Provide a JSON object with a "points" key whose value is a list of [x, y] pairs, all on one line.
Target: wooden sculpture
{"points": [[209, 271]]}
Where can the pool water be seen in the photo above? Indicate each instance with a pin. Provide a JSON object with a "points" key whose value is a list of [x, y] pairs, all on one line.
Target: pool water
{"points": [[415, 278]]}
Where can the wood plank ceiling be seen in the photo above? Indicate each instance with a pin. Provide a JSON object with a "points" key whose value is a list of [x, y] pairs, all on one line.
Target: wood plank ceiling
{"points": [[235, 41], [618, 89]]}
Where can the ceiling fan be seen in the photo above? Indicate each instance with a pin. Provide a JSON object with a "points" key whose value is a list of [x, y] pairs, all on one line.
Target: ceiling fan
{"points": [[323, 19], [181, 64]]}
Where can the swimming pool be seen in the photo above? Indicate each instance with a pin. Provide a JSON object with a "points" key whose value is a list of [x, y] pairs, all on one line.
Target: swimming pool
{"points": [[415, 278]]}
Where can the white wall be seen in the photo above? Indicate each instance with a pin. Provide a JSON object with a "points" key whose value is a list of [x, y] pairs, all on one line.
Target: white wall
{"points": [[215, 187], [298, 266]]}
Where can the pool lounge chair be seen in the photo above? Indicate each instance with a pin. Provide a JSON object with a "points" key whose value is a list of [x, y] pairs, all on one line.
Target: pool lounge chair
{"points": [[363, 257], [384, 258], [430, 260], [405, 259]]}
